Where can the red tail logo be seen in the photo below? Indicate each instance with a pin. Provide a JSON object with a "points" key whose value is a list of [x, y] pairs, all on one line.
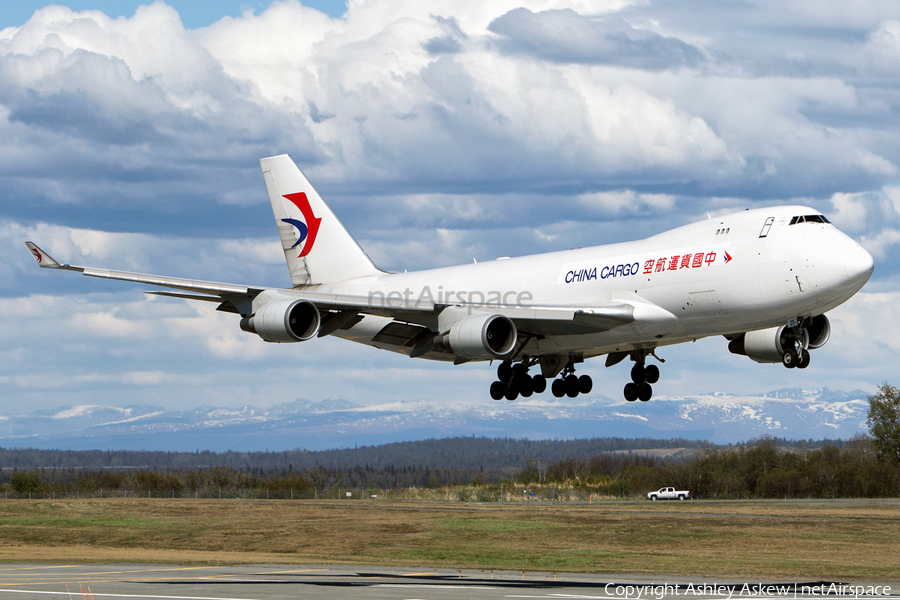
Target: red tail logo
{"points": [[310, 228]]}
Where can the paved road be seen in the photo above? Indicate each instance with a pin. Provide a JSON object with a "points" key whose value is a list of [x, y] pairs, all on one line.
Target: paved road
{"points": [[282, 582]]}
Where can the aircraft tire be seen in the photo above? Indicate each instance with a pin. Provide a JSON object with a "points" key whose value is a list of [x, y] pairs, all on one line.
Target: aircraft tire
{"points": [[572, 386], [638, 374], [525, 385], [585, 384], [645, 392], [512, 393], [652, 372], [504, 372], [790, 359], [539, 382], [804, 359], [631, 392], [498, 390], [558, 388]]}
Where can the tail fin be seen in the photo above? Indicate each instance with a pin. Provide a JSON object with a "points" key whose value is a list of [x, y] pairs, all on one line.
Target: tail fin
{"points": [[317, 247]]}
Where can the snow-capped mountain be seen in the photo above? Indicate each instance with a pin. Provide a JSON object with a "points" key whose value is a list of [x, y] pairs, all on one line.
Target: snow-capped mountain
{"points": [[717, 417]]}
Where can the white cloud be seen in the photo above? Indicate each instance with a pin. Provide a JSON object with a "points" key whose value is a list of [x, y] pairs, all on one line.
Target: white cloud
{"points": [[132, 143], [628, 201]]}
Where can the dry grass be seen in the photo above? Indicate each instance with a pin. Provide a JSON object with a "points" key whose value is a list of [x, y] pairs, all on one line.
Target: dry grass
{"points": [[847, 540]]}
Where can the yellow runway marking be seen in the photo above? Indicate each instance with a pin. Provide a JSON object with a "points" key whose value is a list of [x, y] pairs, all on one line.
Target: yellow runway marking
{"points": [[86, 577], [35, 568], [151, 570]]}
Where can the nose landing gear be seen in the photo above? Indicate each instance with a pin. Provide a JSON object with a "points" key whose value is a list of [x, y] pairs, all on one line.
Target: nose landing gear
{"points": [[796, 355]]}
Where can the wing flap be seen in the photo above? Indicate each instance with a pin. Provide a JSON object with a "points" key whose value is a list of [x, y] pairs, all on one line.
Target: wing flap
{"points": [[570, 320]]}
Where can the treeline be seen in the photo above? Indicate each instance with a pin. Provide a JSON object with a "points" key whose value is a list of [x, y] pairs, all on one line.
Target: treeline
{"points": [[493, 454], [765, 468]]}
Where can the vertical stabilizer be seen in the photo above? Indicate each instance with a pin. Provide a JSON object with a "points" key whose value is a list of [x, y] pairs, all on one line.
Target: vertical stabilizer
{"points": [[317, 246]]}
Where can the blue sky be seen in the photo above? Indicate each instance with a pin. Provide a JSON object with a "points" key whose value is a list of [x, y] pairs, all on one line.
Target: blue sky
{"points": [[439, 132], [194, 13]]}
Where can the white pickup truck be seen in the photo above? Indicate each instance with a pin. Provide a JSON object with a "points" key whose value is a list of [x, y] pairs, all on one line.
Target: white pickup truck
{"points": [[668, 493]]}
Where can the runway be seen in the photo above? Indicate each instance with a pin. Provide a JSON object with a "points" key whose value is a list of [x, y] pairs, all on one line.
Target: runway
{"points": [[282, 582]]}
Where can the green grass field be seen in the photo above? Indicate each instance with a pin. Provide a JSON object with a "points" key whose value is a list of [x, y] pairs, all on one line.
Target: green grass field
{"points": [[835, 540]]}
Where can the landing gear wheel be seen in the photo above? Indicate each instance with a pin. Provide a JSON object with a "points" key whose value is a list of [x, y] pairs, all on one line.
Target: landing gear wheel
{"points": [[526, 387], [572, 386], [790, 359], [631, 392], [558, 388], [539, 382], [504, 372], [638, 373], [498, 390], [804, 359], [652, 373], [585, 384], [645, 392]]}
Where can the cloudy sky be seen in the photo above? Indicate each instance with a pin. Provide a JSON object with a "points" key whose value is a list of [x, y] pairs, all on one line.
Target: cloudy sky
{"points": [[439, 132]]}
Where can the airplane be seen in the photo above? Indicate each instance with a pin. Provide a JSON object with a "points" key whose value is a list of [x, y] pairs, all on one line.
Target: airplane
{"points": [[762, 278]]}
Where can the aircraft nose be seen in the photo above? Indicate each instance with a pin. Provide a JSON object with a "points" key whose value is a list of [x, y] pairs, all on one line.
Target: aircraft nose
{"points": [[858, 264]]}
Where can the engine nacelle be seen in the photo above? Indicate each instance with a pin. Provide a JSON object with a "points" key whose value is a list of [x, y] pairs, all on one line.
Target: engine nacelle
{"points": [[769, 345], [284, 321], [819, 331], [482, 336]]}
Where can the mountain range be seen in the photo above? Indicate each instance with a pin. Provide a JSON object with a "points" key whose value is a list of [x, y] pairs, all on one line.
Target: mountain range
{"points": [[721, 418]]}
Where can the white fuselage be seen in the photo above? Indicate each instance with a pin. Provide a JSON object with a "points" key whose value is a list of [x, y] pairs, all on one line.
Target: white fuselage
{"points": [[741, 272]]}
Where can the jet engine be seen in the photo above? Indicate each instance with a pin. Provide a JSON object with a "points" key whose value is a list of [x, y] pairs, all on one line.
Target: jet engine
{"points": [[769, 345], [819, 330], [481, 336], [285, 320]]}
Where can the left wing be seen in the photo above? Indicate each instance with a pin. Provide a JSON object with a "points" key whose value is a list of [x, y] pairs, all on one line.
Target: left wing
{"points": [[536, 320]]}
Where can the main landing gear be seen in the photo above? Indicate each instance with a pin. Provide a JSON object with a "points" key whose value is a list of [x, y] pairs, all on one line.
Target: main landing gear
{"points": [[642, 376], [513, 381], [569, 384]]}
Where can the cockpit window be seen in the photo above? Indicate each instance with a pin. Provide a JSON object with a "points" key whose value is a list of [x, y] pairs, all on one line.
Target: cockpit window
{"points": [[810, 219]]}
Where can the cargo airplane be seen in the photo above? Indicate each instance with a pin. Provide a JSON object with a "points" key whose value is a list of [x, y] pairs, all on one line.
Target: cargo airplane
{"points": [[761, 278]]}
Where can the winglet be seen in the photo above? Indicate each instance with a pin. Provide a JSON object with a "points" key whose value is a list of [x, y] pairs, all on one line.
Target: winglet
{"points": [[45, 261]]}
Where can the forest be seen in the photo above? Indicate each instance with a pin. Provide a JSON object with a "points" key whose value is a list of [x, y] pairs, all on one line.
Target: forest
{"points": [[467, 468]]}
